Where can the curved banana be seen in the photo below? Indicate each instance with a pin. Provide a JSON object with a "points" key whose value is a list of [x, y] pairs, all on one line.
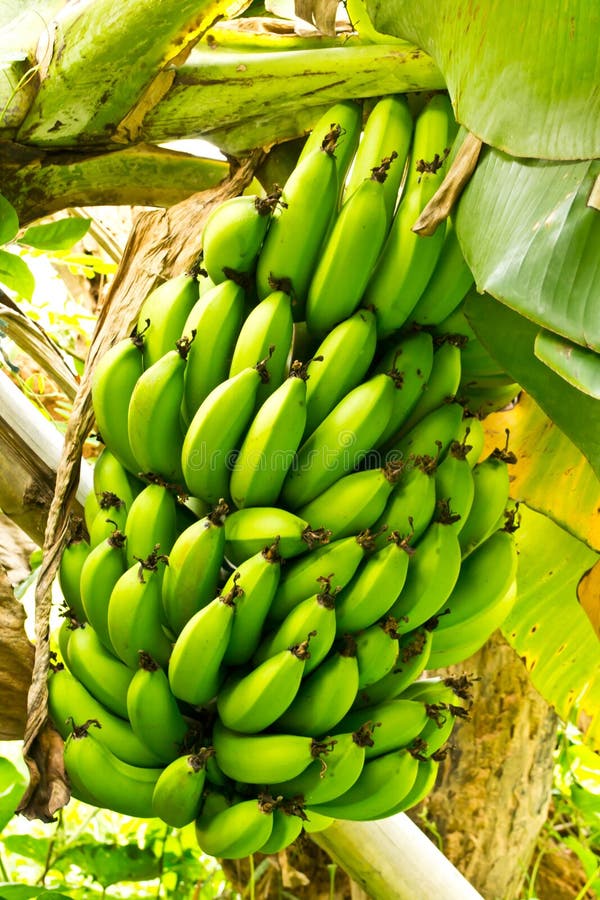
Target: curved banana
{"points": [[431, 436], [471, 433], [354, 502], [407, 259], [314, 617], [264, 758], [153, 711], [341, 441], [376, 651], [135, 613], [299, 225], [165, 309], [414, 649], [442, 384], [102, 674], [177, 795], [195, 666], [249, 530], [272, 439], [349, 254], [237, 831], [112, 514], [287, 825], [99, 777], [373, 590], [396, 723], [438, 730], [339, 364], [151, 521], [347, 115], [491, 487], [454, 483], [111, 476], [250, 703], [71, 565], [325, 697], [411, 505], [337, 561], [99, 574], [234, 233], [195, 559], [70, 704], [114, 377], [441, 692], [422, 786], [216, 320], [386, 779], [388, 130], [256, 580], [433, 570], [267, 332], [412, 358], [448, 284], [215, 431]]}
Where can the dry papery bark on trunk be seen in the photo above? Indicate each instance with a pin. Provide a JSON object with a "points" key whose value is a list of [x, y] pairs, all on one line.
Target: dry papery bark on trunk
{"points": [[158, 247]]}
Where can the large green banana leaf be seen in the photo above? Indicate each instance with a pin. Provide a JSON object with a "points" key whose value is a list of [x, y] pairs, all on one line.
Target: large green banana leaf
{"points": [[547, 626], [522, 76]]}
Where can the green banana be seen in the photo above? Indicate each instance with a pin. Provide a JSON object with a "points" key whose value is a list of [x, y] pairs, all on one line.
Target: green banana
{"points": [[112, 514], [135, 613], [448, 284], [414, 649], [376, 651], [315, 617], [102, 674], [72, 561], [412, 357], [264, 758], [114, 378], [268, 448], [471, 432], [349, 254], [485, 395], [437, 730], [432, 573], [374, 588], [339, 365], [153, 711], [388, 130], [216, 430], [287, 825], [195, 666], [299, 225], [91, 508], [336, 561], [422, 786], [234, 233], [341, 441], [387, 778], [267, 332], [69, 703], [431, 436], [319, 784], [166, 308], [101, 571], [325, 697], [250, 703], [396, 723], [442, 692], [190, 579], [454, 483], [354, 502], [347, 114], [407, 259], [151, 521], [154, 417], [111, 476], [249, 530], [216, 320], [177, 794], [99, 777], [411, 505], [315, 821], [237, 831], [482, 598], [491, 487], [256, 580], [442, 384]]}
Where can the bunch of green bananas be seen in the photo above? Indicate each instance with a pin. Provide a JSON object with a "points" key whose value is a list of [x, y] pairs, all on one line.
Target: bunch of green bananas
{"points": [[291, 518]]}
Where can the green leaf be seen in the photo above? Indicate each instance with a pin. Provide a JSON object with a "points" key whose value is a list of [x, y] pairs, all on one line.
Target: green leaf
{"points": [[577, 365], [547, 627], [59, 235], [531, 241], [110, 862], [9, 221], [510, 339], [28, 846], [20, 891], [16, 275], [500, 59], [12, 784]]}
